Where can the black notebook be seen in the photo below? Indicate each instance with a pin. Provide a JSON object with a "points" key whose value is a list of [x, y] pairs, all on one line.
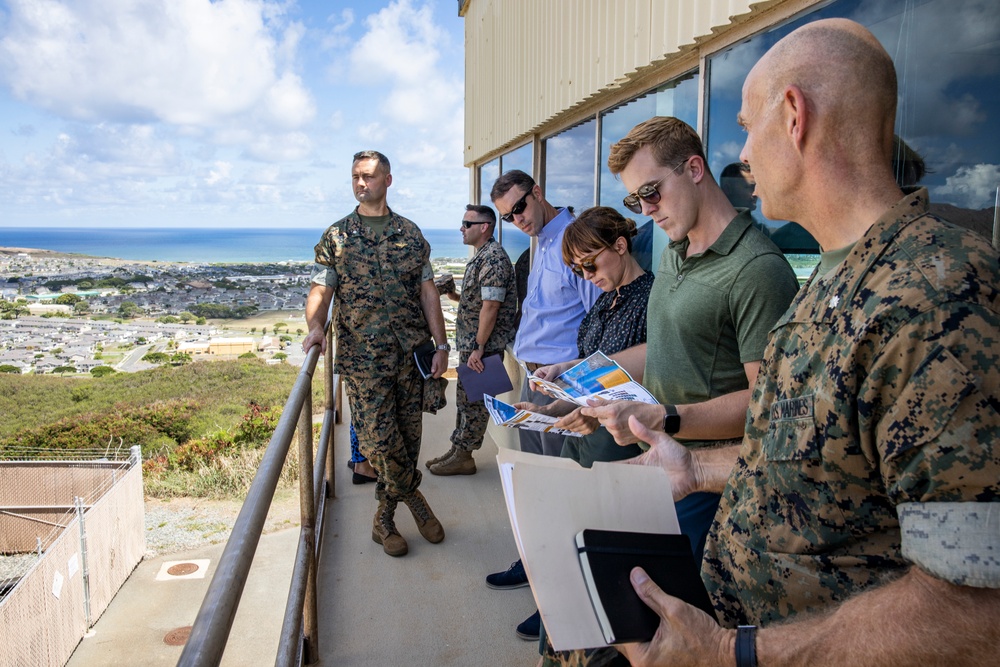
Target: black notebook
{"points": [[607, 557], [424, 356]]}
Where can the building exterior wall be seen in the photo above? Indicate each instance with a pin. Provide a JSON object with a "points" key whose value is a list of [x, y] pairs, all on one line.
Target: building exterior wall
{"points": [[530, 64]]}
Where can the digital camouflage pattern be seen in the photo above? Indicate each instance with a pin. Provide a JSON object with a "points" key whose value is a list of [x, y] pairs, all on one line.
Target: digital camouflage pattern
{"points": [[879, 393], [377, 294], [490, 271], [379, 320], [386, 413], [593, 657]]}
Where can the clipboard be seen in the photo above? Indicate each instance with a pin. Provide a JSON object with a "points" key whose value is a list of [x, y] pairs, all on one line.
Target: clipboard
{"points": [[493, 380]]}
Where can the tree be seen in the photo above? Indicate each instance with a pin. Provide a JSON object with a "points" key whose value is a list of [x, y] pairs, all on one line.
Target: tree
{"points": [[156, 357], [64, 369], [186, 316], [101, 371], [180, 358], [129, 309], [279, 356], [81, 306], [8, 368], [279, 325], [167, 319], [68, 299], [247, 355], [200, 321], [299, 332]]}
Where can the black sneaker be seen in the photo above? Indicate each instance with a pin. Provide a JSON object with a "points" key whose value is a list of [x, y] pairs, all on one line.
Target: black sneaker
{"points": [[511, 578], [530, 627]]}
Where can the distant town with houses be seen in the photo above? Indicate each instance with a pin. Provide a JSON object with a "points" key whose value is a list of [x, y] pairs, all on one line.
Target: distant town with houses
{"points": [[72, 314]]}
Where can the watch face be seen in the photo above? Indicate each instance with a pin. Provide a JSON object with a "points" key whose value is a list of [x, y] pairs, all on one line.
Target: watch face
{"points": [[671, 420]]}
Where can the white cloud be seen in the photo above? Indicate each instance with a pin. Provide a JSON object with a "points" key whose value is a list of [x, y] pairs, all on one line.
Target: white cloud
{"points": [[182, 62], [373, 132], [402, 49], [337, 35], [728, 152], [219, 174], [280, 148], [971, 187]]}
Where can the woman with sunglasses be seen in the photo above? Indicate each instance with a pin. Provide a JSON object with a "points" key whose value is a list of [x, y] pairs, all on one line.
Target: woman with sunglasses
{"points": [[597, 247]]}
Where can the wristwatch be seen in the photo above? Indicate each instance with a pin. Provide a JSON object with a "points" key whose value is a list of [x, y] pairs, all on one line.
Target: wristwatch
{"points": [[746, 646], [443, 347], [671, 420]]}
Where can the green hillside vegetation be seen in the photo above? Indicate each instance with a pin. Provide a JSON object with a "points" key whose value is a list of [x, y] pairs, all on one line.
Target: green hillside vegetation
{"points": [[202, 426]]}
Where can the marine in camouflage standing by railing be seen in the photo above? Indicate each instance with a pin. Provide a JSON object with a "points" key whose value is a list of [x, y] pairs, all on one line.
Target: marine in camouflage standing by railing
{"points": [[375, 264]]}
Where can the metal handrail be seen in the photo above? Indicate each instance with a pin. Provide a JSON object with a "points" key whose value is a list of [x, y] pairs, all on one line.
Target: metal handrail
{"points": [[212, 626]]}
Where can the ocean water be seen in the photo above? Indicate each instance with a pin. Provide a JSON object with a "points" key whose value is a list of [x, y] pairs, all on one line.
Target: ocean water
{"points": [[203, 245]]}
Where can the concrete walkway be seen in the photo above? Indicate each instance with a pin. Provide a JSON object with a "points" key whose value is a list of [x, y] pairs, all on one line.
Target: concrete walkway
{"points": [[430, 607]]}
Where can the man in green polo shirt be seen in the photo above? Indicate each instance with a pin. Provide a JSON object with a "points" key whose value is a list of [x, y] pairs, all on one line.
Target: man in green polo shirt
{"points": [[720, 286]]}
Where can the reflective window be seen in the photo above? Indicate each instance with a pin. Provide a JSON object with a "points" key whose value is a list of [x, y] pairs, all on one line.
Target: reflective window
{"points": [[678, 98], [569, 166], [948, 111], [488, 175], [513, 240]]}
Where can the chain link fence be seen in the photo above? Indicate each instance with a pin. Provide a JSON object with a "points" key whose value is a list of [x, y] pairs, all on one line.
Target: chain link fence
{"points": [[71, 531]]}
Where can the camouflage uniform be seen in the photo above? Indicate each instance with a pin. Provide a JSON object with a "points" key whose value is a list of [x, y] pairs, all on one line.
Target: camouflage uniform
{"points": [[379, 320], [488, 275], [871, 431]]}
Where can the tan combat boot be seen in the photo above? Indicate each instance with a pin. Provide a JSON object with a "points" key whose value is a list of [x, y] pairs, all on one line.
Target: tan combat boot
{"points": [[460, 463], [384, 530], [427, 523], [440, 459]]}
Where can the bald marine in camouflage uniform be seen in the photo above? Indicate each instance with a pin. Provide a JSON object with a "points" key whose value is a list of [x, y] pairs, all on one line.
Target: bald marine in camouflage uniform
{"points": [[487, 308], [376, 265], [860, 524]]}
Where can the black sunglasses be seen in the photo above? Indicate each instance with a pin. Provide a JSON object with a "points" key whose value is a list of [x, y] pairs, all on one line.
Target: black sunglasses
{"points": [[518, 207], [469, 223], [648, 193], [588, 264]]}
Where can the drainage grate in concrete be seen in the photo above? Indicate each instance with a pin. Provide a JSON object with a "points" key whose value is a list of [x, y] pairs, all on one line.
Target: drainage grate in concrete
{"points": [[177, 636]]}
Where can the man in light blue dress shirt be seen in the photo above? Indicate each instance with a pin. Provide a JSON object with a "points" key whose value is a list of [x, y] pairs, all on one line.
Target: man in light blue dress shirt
{"points": [[551, 313], [557, 299]]}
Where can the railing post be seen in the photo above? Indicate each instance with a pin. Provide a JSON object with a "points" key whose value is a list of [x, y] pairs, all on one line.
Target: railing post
{"points": [[307, 508], [78, 501], [331, 401]]}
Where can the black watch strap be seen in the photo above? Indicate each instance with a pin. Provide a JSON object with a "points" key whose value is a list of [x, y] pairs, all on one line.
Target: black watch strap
{"points": [[671, 420], [746, 646]]}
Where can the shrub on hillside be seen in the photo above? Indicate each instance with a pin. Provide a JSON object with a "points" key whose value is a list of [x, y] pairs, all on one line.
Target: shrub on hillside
{"points": [[148, 426]]}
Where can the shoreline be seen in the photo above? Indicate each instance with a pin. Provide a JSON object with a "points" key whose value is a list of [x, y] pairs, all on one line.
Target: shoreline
{"points": [[41, 253]]}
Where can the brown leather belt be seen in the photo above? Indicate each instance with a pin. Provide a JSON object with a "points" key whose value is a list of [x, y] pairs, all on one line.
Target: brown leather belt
{"points": [[533, 367]]}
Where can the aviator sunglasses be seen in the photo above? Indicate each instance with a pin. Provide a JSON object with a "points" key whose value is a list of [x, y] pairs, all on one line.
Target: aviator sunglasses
{"points": [[588, 264], [518, 207], [648, 193]]}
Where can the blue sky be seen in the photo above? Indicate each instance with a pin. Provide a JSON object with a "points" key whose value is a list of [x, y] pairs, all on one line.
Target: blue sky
{"points": [[191, 113]]}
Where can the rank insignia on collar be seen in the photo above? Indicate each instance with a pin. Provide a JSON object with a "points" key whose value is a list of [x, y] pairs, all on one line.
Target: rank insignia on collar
{"points": [[834, 301]]}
